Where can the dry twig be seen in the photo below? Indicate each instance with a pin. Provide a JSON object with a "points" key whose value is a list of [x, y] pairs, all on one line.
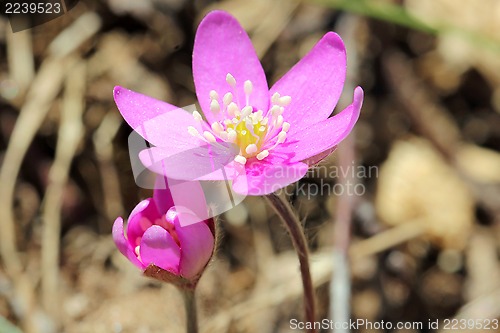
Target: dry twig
{"points": [[70, 133]]}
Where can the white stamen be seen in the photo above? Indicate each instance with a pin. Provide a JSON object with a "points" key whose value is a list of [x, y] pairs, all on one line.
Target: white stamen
{"points": [[248, 87], [279, 122], [231, 135], [217, 127], [281, 137], [247, 110], [275, 98], [232, 109], [209, 136], [260, 127], [197, 116], [213, 94], [262, 155], [223, 135], [253, 118], [228, 98], [137, 250], [214, 106], [230, 80], [240, 159], [259, 115], [275, 110], [285, 100], [251, 148], [193, 131]]}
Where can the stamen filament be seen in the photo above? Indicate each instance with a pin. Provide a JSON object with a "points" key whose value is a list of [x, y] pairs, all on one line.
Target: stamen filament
{"points": [[247, 87]]}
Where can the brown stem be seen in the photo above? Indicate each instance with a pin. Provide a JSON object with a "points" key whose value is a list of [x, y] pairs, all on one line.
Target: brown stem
{"points": [[299, 241], [190, 307]]}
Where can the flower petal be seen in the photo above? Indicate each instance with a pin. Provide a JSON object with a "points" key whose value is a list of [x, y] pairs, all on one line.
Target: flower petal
{"points": [[142, 217], [314, 83], [222, 46], [159, 248], [162, 196], [197, 245], [269, 175], [187, 194], [202, 163], [123, 245], [137, 108], [324, 135], [313, 160], [159, 123]]}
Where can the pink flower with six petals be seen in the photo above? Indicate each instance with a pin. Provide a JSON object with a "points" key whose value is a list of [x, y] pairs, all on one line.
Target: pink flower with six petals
{"points": [[262, 139]]}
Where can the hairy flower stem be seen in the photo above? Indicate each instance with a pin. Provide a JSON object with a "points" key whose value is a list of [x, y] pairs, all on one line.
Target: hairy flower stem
{"points": [[294, 227], [190, 307]]}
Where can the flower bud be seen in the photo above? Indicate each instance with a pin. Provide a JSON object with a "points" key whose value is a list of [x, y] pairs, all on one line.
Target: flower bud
{"points": [[173, 245]]}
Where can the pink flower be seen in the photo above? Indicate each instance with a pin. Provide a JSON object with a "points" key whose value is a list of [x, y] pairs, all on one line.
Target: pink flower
{"points": [[262, 139], [169, 237]]}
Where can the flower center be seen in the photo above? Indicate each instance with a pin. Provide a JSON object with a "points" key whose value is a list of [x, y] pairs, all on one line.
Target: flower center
{"points": [[255, 132]]}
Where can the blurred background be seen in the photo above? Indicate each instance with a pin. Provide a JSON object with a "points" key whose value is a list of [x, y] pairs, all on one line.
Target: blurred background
{"points": [[425, 218]]}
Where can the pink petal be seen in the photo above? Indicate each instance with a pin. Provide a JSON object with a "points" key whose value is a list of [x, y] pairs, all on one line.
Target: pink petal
{"points": [[313, 160], [314, 83], [202, 163], [123, 245], [222, 46], [162, 196], [159, 123], [188, 194], [159, 248], [269, 175], [324, 135], [142, 217], [197, 245], [137, 108]]}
